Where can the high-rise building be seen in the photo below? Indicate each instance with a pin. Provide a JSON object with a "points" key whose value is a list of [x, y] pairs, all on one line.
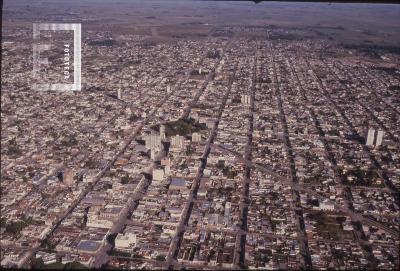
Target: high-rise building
{"points": [[68, 177], [119, 94], [125, 242], [158, 174], [153, 141], [370, 137], [162, 132], [196, 137], [167, 170], [227, 212], [379, 138], [245, 99], [153, 154], [374, 137], [177, 142]]}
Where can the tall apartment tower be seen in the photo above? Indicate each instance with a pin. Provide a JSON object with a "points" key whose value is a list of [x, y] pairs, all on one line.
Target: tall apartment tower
{"points": [[379, 138], [153, 141], [162, 132], [374, 137], [167, 170], [119, 94], [178, 142], [68, 177], [196, 137], [153, 153], [245, 99], [370, 137]]}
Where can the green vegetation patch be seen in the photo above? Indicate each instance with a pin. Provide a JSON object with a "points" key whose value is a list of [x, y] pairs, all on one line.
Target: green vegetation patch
{"points": [[315, 179], [120, 254], [125, 179], [229, 173], [15, 227], [203, 106], [213, 54], [181, 127], [133, 117], [3, 222], [329, 227], [69, 141], [106, 42], [13, 148], [363, 177], [226, 170], [39, 264], [75, 266], [236, 100], [160, 258], [374, 50]]}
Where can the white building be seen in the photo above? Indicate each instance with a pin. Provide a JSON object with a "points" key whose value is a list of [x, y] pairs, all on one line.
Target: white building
{"points": [[125, 242], [374, 137], [68, 177], [245, 99], [370, 137], [196, 137], [48, 258], [158, 174], [153, 141], [178, 142], [95, 222], [119, 94], [167, 171], [162, 132], [329, 206], [227, 212], [379, 138]]}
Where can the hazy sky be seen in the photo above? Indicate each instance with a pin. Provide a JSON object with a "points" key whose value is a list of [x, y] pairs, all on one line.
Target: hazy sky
{"points": [[356, 16]]}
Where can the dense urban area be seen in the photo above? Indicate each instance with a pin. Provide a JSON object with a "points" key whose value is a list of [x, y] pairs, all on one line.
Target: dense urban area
{"points": [[246, 148]]}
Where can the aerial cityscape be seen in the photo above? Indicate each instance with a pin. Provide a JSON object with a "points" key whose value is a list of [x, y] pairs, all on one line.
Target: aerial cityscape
{"points": [[205, 136]]}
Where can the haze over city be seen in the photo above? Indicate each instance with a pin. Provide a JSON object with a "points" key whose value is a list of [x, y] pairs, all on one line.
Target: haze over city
{"points": [[180, 134]]}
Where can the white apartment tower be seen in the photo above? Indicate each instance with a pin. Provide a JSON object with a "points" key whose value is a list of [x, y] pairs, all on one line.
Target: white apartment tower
{"points": [[158, 174], [153, 141], [119, 94], [374, 137], [177, 142], [162, 132], [245, 99], [196, 137], [370, 137], [379, 138]]}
